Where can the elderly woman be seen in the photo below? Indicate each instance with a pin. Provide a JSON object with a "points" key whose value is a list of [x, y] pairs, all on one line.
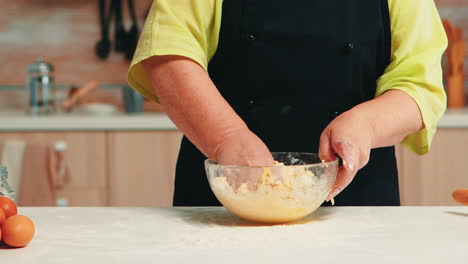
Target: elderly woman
{"points": [[244, 78]]}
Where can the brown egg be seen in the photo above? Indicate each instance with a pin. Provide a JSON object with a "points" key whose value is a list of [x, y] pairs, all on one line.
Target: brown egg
{"points": [[8, 206], [17, 231], [2, 217], [461, 196]]}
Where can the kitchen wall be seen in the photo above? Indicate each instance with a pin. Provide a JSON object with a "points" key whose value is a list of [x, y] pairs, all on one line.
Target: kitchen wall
{"points": [[65, 33]]}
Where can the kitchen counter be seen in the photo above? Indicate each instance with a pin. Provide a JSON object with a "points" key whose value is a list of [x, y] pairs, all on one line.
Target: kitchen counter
{"points": [[454, 119], [213, 235], [19, 121]]}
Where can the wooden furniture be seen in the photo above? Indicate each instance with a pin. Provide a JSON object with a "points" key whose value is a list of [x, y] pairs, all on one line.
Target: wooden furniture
{"points": [[114, 168], [86, 158], [141, 167], [431, 179], [136, 168]]}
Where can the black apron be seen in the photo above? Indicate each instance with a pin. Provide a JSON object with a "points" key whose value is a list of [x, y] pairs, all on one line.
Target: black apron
{"points": [[288, 68]]}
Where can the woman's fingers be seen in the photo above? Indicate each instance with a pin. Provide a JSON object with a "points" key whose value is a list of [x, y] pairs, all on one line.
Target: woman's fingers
{"points": [[346, 173], [326, 151], [344, 178], [350, 136], [243, 148], [346, 151]]}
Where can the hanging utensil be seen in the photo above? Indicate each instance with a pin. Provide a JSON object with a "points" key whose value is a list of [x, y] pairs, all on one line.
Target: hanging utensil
{"points": [[120, 35], [103, 46], [132, 34]]}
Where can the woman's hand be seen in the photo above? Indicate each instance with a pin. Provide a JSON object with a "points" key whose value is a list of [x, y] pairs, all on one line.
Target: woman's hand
{"points": [[351, 137], [383, 121], [243, 148], [194, 104]]}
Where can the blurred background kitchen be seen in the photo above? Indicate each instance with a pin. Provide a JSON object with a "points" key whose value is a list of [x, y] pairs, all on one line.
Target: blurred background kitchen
{"points": [[73, 133]]}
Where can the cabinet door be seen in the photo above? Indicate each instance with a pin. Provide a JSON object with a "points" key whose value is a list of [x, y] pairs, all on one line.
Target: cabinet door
{"points": [[430, 179], [86, 160], [142, 167]]}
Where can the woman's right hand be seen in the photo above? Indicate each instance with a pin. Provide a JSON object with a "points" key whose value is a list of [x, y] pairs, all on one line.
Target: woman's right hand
{"points": [[243, 148], [197, 108]]}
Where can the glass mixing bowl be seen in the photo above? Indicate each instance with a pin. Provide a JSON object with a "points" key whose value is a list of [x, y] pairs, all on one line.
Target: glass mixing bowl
{"points": [[278, 194]]}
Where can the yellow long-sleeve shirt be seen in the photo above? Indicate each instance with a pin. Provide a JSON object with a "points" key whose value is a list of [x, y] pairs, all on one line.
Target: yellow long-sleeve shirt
{"points": [[191, 28]]}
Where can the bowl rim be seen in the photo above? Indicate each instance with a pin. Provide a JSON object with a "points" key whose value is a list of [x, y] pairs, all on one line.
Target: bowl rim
{"points": [[211, 163]]}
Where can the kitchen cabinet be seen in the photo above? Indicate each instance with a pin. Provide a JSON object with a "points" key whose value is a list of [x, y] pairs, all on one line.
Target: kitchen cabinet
{"points": [[430, 179], [114, 168], [86, 160], [142, 167], [142, 164], [136, 168]]}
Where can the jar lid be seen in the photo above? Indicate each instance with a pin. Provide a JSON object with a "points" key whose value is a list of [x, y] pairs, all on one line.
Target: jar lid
{"points": [[40, 66]]}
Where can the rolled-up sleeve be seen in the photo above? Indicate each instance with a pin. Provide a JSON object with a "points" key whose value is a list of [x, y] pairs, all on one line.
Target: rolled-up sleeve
{"points": [[188, 28], [418, 42]]}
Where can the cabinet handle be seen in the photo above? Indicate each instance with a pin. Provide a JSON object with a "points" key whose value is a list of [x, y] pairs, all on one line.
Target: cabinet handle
{"points": [[58, 170]]}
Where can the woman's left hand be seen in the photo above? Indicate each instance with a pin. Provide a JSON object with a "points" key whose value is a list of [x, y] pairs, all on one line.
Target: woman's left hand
{"points": [[351, 137]]}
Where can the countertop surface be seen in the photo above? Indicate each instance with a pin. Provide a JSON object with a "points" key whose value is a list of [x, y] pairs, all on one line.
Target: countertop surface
{"points": [[19, 121], [213, 235]]}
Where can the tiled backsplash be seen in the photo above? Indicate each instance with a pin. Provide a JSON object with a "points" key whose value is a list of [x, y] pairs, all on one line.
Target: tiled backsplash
{"points": [[65, 33]]}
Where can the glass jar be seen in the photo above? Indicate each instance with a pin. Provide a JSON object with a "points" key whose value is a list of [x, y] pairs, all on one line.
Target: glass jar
{"points": [[41, 87], [5, 189]]}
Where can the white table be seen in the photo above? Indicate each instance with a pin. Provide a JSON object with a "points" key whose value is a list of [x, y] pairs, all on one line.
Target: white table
{"points": [[212, 235]]}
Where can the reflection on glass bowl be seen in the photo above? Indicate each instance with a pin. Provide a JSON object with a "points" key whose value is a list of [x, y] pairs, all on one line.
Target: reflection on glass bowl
{"points": [[276, 194]]}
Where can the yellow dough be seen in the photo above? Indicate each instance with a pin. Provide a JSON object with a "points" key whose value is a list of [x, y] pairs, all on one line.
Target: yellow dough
{"points": [[283, 196]]}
